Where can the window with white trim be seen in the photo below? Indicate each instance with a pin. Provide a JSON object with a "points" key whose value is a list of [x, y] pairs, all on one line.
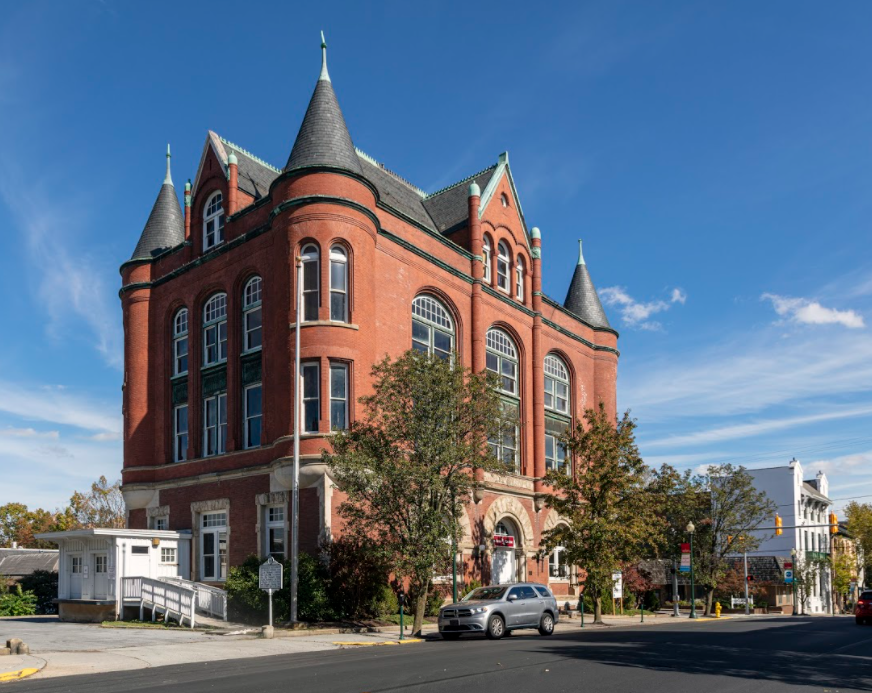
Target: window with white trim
{"points": [[180, 433], [519, 279], [556, 455], [213, 546], [556, 385], [274, 536], [502, 358], [503, 264], [213, 221], [253, 413], [101, 563], [160, 523], [311, 283], [338, 284], [432, 327], [505, 447], [252, 317], [76, 565], [180, 342], [557, 567], [338, 396], [215, 330], [311, 385], [168, 555], [487, 252], [215, 425]]}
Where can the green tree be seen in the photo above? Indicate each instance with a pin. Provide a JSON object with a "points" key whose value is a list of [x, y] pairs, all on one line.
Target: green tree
{"points": [[732, 511], [407, 466], [844, 571], [859, 523], [610, 517]]}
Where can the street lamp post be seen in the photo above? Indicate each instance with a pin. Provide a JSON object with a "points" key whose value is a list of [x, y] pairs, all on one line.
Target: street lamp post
{"points": [[690, 530], [795, 605]]}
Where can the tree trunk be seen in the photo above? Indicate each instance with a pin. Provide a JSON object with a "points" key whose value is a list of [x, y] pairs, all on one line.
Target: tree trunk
{"points": [[420, 608], [709, 597], [597, 609]]}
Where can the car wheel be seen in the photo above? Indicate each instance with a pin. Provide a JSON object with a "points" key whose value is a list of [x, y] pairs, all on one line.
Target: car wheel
{"points": [[450, 636], [496, 627], [546, 624]]}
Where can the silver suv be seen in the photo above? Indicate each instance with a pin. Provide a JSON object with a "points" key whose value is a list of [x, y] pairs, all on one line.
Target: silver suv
{"points": [[499, 609]]}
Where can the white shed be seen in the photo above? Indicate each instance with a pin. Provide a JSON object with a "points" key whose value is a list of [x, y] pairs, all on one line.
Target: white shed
{"points": [[93, 563]]}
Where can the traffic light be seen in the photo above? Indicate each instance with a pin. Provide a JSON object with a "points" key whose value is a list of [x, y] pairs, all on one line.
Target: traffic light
{"points": [[834, 523], [750, 578], [778, 523]]}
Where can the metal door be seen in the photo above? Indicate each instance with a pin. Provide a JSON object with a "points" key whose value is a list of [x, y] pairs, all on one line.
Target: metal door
{"points": [[515, 608]]}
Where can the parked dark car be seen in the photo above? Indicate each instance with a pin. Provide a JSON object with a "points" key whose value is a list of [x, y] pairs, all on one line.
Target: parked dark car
{"points": [[499, 609], [863, 609]]}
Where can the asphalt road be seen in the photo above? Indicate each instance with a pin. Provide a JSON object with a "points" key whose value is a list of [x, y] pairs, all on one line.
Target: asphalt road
{"points": [[760, 654]]}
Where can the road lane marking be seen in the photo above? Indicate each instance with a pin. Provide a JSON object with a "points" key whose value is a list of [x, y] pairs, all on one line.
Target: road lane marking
{"points": [[17, 675]]}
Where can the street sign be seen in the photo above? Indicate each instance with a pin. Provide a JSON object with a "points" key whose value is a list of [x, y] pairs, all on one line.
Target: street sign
{"points": [[618, 586], [270, 575], [788, 576]]}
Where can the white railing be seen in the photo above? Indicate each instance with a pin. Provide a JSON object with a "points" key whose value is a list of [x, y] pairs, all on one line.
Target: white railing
{"points": [[210, 600], [170, 598]]}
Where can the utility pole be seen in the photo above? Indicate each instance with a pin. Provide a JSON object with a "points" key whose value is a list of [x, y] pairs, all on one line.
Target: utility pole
{"points": [[747, 606]]}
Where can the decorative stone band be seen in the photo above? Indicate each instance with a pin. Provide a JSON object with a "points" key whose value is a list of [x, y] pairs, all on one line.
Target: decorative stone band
{"points": [[274, 498], [210, 505], [159, 511]]}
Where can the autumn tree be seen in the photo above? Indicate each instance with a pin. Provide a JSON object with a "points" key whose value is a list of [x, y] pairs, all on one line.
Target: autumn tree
{"points": [[102, 506], [636, 581], [407, 465], [859, 516], [609, 515]]}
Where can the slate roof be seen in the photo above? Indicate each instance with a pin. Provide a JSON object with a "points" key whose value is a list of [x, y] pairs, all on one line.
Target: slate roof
{"points": [[582, 299], [323, 139], [449, 207], [165, 227], [255, 175], [396, 192], [16, 563]]}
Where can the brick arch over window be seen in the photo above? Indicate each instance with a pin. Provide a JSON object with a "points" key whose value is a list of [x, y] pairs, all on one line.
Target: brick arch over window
{"points": [[552, 519], [509, 506]]}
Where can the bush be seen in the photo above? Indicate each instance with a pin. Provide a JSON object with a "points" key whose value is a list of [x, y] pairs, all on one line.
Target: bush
{"points": [[470, 586], [359, 581], [17, 602], [387, 604], [435, 600], [44, 585]]}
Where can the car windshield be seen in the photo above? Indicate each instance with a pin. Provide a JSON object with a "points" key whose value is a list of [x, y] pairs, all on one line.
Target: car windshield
{"points": [[866, 595], [484, 594]]}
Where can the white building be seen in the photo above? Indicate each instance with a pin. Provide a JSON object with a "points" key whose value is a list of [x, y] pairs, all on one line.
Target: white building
{"points": [[805, 505]]}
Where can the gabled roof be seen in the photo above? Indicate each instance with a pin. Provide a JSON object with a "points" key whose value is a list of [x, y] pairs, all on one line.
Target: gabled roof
{"points": [[255, 174], [449, 208], [16, 563], [582, 299], [165, 227]]}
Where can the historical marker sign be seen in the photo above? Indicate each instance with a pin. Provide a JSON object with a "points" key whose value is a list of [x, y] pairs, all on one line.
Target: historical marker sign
{"points": [[270, 575]]}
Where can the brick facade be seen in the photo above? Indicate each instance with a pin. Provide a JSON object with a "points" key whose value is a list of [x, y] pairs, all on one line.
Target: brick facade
{"points": [[392, 259]]}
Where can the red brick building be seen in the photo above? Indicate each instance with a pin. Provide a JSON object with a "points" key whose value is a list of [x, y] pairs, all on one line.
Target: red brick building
{"points": [[208, 301]]}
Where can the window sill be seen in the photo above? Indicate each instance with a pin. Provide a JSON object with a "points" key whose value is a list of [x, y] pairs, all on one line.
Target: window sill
{"points": [[249, 352], [326, 323], [216, 364], [179, 376]]}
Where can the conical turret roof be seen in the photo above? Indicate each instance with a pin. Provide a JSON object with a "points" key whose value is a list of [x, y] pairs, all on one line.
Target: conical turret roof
{"points": [[323, 139], [582, 298], [165, 227]]}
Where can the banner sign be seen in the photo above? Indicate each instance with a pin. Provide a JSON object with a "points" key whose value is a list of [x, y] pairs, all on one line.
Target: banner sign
{"points": [[618, 587], [504, 541]]}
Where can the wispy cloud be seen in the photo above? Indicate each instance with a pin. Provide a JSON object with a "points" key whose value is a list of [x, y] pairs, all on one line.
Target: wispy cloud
{"points": [[11, 432], [636, 313], [59, 407], [807, 312]]}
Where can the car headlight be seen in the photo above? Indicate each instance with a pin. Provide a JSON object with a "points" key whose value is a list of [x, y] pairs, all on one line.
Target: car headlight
{"points": [[480, 610]]}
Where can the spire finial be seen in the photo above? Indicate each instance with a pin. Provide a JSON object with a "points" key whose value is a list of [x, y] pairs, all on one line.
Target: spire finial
{"points": [[169, 178], [324, 74], [580, 254]]}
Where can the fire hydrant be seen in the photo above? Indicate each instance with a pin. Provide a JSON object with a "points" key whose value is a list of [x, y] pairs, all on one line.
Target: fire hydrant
{"points": [[717, 609]]}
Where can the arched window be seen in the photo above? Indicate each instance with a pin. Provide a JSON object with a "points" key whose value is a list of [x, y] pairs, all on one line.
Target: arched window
{"points": [[213, 221], [504, 200], [503, 264], [519, 279], [432, 327], [215, 330], [252, 317], [338, 284], [180, 342], [502, 359], [487, 252], [556, 385], [311, 283]]}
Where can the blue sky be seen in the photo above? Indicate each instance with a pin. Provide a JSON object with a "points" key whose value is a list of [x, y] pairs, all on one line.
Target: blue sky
{"points": [[715, 158]]}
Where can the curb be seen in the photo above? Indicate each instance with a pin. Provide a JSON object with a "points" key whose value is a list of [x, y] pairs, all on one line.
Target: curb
{"points": [[17, 675], [354, 643]]}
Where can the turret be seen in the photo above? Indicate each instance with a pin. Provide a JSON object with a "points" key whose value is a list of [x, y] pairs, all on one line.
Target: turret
{"points": [[165, 227], [582, 298]]}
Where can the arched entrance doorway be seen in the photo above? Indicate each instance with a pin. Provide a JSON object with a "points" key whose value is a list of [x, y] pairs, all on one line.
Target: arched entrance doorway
{"points": [[505, 567]]}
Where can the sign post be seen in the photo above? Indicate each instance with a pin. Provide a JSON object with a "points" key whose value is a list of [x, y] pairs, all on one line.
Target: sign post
{"points": [[270, 579]]}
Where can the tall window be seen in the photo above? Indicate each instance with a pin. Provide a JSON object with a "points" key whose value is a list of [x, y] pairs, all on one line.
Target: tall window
{"points": [[432, 327], [180, 342], [311, 396], [557, 563], [215, 425], [180, 427], [503, 264], [556, 456], [556, 385], [253, 415], [338, 284], [215, 330], [338, 396], [487, 252], [213, 221], [252, 319], [556, 413], [311, 283], [519, 279], [275, 531], [502, 359], [213, 546]]}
